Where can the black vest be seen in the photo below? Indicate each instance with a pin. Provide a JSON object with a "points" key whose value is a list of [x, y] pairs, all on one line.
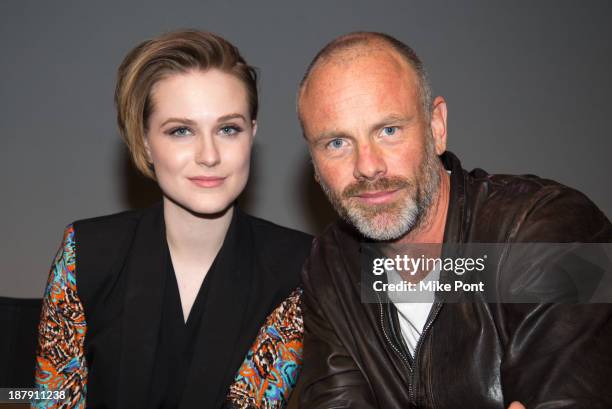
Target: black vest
{"points": [[121, 278]]}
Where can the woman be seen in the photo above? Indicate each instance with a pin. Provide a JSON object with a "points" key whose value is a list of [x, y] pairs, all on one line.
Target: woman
{"points": [[157, 308]]}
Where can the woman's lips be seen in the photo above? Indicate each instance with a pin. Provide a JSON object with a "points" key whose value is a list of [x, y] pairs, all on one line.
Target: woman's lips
{"points": [[377, 197], [207, 181]]}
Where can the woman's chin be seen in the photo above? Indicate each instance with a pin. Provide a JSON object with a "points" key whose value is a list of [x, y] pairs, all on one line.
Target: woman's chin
{"points": [[211, 210], [208, 208]]}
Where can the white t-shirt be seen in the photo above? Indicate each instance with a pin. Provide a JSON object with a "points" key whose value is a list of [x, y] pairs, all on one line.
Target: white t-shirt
{"points": [[412, 315]]}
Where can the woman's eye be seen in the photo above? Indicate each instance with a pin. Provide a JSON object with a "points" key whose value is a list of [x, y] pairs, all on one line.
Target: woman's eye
{"points": [[229, 130], [335, 143], [389, 130], [181, 131]]}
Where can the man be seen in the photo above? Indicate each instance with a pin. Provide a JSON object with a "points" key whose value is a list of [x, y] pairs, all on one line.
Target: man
{"points": [[378, 145]]}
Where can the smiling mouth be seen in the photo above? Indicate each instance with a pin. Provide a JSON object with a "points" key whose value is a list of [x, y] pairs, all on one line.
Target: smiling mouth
{"points": [[207, 181]]}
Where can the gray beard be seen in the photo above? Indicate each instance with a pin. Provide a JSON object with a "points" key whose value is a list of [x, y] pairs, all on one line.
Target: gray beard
{"points": [[391, 222]]}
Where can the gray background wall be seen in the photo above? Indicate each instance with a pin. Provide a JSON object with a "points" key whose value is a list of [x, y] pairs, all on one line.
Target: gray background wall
{"points": [[527, 84]]}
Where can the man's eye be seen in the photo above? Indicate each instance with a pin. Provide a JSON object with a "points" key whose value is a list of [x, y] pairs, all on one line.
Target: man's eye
{"points": [[335, 143], [181, 131], [389, 130], [229, 130]]}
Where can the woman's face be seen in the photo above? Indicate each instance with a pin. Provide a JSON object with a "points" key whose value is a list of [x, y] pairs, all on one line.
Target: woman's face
{"points": [[199, 139]]}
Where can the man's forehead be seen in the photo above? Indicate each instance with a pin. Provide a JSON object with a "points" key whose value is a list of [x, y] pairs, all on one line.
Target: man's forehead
{"points": [[346, 56], [357, 67], [356, 113], [372, 79], [369, 59]]}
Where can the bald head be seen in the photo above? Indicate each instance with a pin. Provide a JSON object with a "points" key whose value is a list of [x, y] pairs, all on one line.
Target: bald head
{"points": [[345, 50]]}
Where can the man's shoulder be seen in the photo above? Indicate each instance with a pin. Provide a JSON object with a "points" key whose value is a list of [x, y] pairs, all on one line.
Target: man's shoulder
{"points": [[524, 185], [338, 237], [531, 208], [334, 257]]}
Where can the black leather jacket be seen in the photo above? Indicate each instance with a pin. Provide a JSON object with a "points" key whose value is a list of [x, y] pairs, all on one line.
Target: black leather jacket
{"points": [[470, 355]]}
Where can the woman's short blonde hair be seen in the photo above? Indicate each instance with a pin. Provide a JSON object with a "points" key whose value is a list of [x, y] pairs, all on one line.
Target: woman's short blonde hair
{"points": [[152, 60]]}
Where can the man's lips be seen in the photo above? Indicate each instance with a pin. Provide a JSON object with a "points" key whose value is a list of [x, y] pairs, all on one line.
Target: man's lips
{"points": [[207, 181], [377, 197]]}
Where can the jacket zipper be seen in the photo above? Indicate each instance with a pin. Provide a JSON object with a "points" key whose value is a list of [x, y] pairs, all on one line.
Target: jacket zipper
{"points": [[438, 307], [411, 369], [393, 346]]}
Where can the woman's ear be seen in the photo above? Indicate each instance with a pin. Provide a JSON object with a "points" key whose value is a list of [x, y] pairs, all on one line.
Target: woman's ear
{"points": [[254, 127], [147, 147]]}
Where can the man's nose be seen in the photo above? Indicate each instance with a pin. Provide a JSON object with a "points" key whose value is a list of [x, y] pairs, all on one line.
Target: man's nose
{"points": [[207, 152], [370, 162]]}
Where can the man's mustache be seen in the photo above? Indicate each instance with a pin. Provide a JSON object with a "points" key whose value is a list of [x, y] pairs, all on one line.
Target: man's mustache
{"points": [[364, 186]]}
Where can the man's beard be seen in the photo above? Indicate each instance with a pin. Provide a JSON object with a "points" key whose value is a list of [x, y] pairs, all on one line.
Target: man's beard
{"points": [[390, 221]]}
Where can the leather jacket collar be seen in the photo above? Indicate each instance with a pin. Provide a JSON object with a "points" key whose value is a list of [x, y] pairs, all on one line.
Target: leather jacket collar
{"points": [[480, 354]]}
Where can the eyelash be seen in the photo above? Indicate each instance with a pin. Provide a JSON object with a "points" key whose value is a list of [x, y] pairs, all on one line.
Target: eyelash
{"points": [[395, 129], [173, 131], [328, 145], [233, 128]]}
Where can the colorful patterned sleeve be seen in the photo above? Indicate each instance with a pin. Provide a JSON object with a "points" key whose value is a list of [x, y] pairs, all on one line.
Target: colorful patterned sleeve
{"points": [[60, 359], [270, 370]]}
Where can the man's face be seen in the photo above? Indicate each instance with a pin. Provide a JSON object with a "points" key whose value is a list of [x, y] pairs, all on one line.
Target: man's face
{"points": [[371, 145]]}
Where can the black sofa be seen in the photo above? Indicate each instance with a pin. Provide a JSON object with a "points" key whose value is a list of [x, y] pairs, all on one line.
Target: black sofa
{"points": [[18, 329]]}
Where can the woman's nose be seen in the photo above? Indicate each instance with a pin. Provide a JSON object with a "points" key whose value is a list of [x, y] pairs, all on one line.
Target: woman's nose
{"points": [[207, 153]]}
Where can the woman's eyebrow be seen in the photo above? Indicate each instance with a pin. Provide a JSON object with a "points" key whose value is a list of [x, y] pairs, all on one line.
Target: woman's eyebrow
{"points": [[231, 116], [185, 121], [191, 122]]}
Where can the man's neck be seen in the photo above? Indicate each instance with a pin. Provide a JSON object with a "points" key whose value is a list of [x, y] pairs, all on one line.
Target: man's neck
{"points": [[431, 229]]}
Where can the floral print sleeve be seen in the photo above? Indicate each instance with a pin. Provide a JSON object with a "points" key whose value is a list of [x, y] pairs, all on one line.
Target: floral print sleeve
{"points": [[60, 360], [270, 370]]}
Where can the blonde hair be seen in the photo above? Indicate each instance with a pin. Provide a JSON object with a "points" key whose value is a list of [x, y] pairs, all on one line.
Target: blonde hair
{"points": [[153, 60]]}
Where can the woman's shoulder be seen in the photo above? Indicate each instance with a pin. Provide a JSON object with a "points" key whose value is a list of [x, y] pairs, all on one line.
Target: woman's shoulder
{"points": [[270, 234], [281, 250], [102, 240], [110, 228], [101, 247], [109, 224]]}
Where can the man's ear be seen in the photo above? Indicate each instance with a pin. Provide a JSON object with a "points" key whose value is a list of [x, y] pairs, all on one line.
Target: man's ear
{"points": [[438, 124], [315, 174]]}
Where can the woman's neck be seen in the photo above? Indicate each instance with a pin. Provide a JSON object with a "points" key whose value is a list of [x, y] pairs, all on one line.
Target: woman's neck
{"points": [[194, 242], [191, 236]]}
